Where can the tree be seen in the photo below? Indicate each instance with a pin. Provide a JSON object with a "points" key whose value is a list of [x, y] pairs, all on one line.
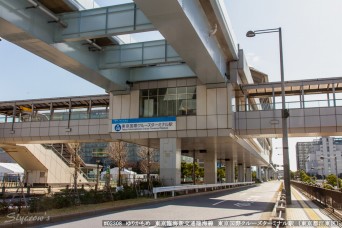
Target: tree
{"points": [[147, 164], [331, 179], [117, 152], [292, 174], [221, 173], [254, 175], [74, 148], [305, 178], [186, 170]]}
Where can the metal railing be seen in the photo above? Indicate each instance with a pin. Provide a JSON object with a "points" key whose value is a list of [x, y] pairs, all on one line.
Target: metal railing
{"points": [[289, 105], [186, 188], [58, 116], [327, 197], [51, 147]]}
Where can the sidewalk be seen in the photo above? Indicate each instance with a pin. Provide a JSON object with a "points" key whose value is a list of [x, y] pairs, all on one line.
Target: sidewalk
{"points": [[303, 209]]}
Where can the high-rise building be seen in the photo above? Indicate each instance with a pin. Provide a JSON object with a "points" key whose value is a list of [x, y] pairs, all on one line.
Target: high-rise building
{"points": [[302, 152], [325, 155]]}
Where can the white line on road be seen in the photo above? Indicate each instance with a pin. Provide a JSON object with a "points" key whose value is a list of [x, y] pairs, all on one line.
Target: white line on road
{"points": [[242, 204], [219, 202]]}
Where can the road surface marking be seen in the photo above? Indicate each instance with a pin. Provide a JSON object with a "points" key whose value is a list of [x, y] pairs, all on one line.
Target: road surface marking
{"points": [[242, 204], [308, 210], [219, 202]]}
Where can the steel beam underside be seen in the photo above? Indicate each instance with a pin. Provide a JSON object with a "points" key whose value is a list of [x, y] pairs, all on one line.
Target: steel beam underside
{"points": [[184, 26], [29, 29]]}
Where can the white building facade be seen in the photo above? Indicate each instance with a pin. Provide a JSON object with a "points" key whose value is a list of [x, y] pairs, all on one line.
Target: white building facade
{"points": [[325, 157]]}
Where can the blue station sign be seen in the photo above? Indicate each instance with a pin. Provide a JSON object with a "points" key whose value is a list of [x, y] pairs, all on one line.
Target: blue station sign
{"points": [[144, 124]]}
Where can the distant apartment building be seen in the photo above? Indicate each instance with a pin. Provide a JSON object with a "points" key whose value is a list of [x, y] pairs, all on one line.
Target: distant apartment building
{"points": [[302, 152], [325, 155]]}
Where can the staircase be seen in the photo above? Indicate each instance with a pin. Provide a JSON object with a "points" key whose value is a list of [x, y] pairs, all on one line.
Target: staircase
{"points": [[65, 152], [42, 166]]}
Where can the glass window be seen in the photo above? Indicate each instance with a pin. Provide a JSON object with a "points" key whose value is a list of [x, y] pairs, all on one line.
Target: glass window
{"points": [[162, 106], [181, 90], [144, 93], [168, 101], [172, 105]]}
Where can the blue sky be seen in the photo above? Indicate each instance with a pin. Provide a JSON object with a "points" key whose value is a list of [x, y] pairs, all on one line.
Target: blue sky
{"points": [[311, 41]]}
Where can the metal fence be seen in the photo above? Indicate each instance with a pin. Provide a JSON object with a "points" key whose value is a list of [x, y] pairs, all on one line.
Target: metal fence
{"points": [[325, 196], [196, 188]]}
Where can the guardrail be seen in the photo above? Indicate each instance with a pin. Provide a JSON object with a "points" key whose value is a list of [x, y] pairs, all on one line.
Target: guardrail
{"points": [[288, 104], [186, 188], [279, 211], [327, 197]]}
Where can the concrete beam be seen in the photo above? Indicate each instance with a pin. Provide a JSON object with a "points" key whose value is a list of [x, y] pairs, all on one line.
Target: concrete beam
{"points": [[185, 26]]}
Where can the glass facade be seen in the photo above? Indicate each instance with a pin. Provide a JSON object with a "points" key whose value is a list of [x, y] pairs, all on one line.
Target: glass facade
{"points": [[91, 152], [179, 101]]}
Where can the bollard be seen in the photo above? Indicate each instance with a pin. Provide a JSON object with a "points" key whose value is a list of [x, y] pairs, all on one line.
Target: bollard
{"points": [[280, 209], [282, 201]]}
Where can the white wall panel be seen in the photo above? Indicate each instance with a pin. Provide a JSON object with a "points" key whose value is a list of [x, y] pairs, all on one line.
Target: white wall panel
{"points": [[211, 102]]}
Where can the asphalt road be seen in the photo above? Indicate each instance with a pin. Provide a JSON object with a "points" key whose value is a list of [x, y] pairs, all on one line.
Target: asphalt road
{"points": [[248, 203]]}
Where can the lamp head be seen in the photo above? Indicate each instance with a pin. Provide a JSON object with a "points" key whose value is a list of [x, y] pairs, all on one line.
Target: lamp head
{"points": [[321, 157], [250, 33]]}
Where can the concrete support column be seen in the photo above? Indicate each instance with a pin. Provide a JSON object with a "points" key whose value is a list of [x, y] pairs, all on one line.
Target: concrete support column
{"points": [[241, 172], [230, 171], [266, 174], [210, 167], [248, 174], [257, 172], [272, 174], [170, 161]]}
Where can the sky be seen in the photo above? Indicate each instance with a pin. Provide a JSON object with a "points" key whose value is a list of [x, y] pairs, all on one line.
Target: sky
{"points": [[311, 43], [311, 40]]}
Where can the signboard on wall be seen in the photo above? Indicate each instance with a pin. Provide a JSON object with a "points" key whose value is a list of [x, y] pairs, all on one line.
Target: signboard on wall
{"points": [[144, 124]]}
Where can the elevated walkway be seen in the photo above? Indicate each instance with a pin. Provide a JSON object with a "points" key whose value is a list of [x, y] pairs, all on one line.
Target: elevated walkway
{"points": [[302, 122], [314, 107], [55, 120]]}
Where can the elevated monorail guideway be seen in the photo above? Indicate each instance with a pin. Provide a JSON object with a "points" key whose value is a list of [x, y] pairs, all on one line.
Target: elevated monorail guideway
{"points": [[190, 78]]}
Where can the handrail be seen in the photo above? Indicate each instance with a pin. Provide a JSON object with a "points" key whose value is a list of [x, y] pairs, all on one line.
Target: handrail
{"points": [[289, 105], [173, 189], [50, 146]]}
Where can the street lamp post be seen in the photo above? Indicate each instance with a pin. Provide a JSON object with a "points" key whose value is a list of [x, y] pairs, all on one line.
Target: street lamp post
{"points": [[285, 113]]}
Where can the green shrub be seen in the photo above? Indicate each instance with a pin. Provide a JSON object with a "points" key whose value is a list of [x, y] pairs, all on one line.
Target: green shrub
{"points": [[127, 193], [3, 208], [40, 204], [328, 186], [60, 201]]}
